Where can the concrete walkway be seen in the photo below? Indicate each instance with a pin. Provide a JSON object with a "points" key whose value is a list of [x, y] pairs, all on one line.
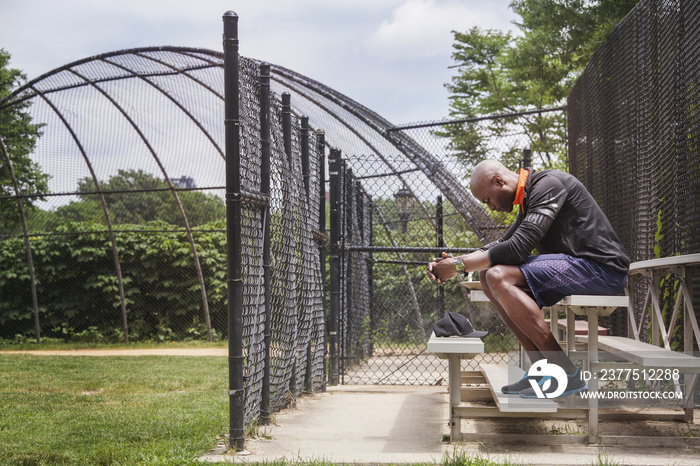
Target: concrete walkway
{"points": [[375, 424]]}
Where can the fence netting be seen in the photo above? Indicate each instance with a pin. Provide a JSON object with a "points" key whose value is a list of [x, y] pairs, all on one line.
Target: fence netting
{"points": [[126, 239], [388, 184], [395, 217], [634, 129]]}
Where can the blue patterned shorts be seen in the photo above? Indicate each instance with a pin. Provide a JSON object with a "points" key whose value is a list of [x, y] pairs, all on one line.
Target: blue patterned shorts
{"points": [[553, 276]]}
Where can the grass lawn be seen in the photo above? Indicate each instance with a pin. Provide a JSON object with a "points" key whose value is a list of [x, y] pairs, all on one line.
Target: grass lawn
{"points": [[127, 410], [55, 344], [110, 410]]}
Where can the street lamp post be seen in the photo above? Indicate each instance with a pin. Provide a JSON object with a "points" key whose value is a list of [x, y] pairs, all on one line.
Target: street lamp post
{"points": [[404, 204]]}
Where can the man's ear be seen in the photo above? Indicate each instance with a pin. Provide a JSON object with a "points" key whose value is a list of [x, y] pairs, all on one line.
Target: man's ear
{"points": [[498, 180]]}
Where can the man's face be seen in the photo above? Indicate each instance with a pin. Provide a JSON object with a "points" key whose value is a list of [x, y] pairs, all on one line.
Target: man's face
{"points": [[494, 193]]}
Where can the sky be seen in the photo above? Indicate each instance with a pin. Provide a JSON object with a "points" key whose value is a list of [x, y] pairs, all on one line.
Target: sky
{"points": [[392, 56]]}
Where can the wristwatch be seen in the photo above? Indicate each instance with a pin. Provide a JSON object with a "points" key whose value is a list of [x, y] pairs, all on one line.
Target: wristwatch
{"points": [[459, 266]]}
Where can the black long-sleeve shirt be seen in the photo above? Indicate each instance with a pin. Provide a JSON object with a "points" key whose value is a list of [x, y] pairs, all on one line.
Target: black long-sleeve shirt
{"points": [[559, 215]]}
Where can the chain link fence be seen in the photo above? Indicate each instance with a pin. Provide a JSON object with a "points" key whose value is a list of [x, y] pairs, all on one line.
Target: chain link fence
{"points": [[117, 248], [634, 129], [127, 238], [124, 241], [381, 304], [282, 296], [391, 220]]}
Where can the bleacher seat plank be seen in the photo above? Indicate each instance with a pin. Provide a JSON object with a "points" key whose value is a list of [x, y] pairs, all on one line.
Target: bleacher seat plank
{"points": [[594, 301], [644, 354], [581, 327], [687, 260]]}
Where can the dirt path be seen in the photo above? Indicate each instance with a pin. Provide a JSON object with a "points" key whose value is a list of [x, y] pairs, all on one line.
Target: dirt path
{"points": [[128, 352]]}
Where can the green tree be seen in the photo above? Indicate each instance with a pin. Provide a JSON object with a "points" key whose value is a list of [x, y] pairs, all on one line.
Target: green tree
{"points": [[134, 197], [140, 197], [19, 135], [500, 73]]}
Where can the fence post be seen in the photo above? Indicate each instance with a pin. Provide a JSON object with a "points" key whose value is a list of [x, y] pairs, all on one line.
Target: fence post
{"points": [[527, 157], [370, 270], [306, 172], [348, 343], [265, 190], [236, 390], [287, 141], [334, 176], [440, 244], [343, 275], [364, 267], [320, 148], [287, 126]]}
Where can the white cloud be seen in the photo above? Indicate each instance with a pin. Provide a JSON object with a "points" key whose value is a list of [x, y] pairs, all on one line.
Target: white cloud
{"points": [[349, 45], [422, 28]]}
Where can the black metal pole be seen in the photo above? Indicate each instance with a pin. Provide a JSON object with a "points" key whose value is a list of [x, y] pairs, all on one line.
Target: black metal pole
{"points": [[527, 158], [440, 244], [440, 223], [342, 315], [321, 147], [370, 271], [348, 308], [287, 126], [236, 390], [408, 250], [287, 141], [308, 388], [363, 266], [305, 170], [359, 210], [334, 175], [265, 189]]}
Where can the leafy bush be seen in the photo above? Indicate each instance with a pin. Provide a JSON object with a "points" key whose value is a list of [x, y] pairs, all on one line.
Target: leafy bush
{"points": [[78, 291]]}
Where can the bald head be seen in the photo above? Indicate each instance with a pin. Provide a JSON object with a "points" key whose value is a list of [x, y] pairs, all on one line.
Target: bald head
{"points": [[494, 185], [486, 169]]}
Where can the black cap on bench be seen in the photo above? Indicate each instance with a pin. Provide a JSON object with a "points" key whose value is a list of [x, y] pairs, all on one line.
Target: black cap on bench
{"points": [[454, 324]]}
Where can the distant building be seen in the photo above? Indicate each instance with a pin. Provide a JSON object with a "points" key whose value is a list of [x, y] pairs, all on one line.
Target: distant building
{"points": [[184, 182]]}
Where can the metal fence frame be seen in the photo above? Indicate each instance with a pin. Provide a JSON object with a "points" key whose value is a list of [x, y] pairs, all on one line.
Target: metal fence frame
{"points": [[286, 148]]}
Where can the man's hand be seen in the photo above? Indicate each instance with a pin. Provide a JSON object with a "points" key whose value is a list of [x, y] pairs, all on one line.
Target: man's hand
{"points": [[442, 268]]}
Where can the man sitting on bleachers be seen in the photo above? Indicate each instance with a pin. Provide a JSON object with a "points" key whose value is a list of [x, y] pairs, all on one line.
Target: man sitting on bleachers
{"points": [[579, 254]]}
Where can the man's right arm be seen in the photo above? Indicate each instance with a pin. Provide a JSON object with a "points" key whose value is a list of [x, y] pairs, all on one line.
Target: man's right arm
{"points": [[514, 226]]}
